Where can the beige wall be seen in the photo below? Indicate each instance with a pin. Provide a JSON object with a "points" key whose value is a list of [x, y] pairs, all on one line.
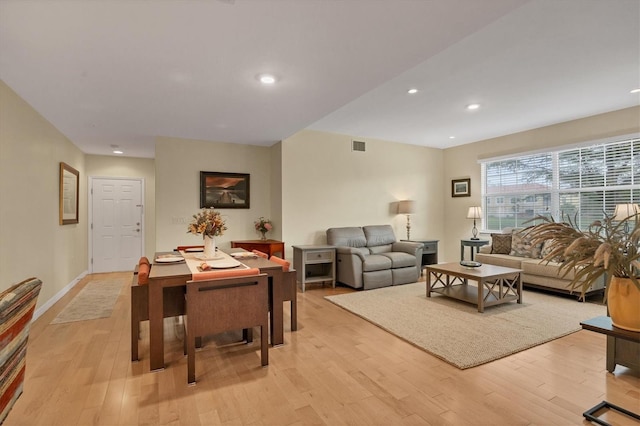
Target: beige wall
{"points": [[178, 166], [308, 182], [462, 162], [114, 166], [325, 184], [32, 243], [276, 189]]}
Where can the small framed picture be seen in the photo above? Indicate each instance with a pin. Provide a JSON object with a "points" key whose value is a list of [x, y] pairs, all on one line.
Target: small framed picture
{"points": [[461, 187]]}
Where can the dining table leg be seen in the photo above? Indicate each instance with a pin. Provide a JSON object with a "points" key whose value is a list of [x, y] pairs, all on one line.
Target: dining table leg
{"points": [[277, 315], [156, 325]]}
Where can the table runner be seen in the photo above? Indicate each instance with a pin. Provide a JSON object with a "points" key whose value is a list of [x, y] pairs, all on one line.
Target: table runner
{"points": [[193, 263]]}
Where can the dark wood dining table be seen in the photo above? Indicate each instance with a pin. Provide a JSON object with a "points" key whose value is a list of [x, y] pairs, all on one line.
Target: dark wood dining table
{"points": [[177, 274]]}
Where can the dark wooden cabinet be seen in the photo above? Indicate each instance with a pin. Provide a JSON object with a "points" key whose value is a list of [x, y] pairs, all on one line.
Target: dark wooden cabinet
{"points": [[269, 247], [623, 346]]}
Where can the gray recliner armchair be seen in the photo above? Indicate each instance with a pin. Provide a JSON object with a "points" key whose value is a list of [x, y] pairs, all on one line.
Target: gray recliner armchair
{"points": [[370, 257]]}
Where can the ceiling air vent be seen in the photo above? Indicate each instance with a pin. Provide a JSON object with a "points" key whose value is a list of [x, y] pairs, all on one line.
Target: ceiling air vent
{"points": [[358, 146]]}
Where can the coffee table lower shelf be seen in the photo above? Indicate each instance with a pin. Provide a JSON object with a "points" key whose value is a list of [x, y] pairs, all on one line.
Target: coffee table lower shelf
{"points": [[469, 293]]}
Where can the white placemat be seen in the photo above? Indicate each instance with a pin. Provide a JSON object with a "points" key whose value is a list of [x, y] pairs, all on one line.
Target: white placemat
{"points": [[222, 261]]}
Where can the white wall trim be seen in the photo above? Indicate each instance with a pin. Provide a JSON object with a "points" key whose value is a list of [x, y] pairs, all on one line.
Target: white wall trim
{"points": [[44, 308]]}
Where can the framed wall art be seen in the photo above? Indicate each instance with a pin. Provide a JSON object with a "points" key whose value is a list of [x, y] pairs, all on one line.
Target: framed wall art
{"points": [[461, 187], [223, 190], [69, 190]]}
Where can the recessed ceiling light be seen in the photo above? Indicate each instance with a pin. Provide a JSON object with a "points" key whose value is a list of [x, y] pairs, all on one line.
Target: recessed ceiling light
{"points": [[266, 79], [452, 137], [117, 151], [412, 91], [635, 90], [473, 106]]}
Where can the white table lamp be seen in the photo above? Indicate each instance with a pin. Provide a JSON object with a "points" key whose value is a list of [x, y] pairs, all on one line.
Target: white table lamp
{"points": [[624, 211], [474, 213]]}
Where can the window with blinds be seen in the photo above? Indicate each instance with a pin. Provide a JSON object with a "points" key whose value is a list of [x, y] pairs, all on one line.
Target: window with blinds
{"points": [[581, 182]]}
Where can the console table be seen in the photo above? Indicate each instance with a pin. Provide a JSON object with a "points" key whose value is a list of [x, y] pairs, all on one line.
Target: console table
{"points": [[270, 247]]}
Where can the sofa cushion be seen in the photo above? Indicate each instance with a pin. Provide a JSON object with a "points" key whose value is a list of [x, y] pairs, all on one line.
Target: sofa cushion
{"points": [[545, 269], [500, 260], [380, 249], [501, 243], [546, 250], [377, 279], [348, 236], [378, 235], [376, 262], [521, 246], [400, 259], [405, 275]]}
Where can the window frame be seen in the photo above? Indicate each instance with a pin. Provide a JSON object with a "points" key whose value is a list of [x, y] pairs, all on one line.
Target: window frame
{"points": [[578, 189]]}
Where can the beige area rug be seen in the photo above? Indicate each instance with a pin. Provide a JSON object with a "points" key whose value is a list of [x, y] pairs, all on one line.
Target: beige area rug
{"points": [[456, 332], [95, 300]]}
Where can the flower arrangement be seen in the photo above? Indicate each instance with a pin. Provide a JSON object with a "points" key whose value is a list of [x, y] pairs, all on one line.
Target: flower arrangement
{"points": [[263, 225], [207, 222]]}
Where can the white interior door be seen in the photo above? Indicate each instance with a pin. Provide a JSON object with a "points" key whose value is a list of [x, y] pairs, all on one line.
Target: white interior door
{"points": [[116, 224]]}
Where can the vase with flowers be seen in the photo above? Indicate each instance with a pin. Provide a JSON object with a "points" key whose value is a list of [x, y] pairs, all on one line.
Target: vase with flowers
{"points": [[263, 226], [609, 247], [210, 224]]}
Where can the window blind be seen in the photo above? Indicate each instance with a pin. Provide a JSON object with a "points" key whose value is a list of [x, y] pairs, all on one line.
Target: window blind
{"points": [[580, 182]]}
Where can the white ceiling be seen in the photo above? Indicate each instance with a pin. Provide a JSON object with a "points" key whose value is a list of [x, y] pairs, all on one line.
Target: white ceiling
{"points": [[116, 72]]}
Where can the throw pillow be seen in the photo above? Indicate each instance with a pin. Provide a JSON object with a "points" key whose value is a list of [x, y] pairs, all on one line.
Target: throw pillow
{"points": [[546, 250], [521, 246], [501, 243]]}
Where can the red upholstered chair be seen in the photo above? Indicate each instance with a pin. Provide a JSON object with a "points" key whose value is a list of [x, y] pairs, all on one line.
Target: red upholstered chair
{"points": [[290, 289], [17, 305], [260, 254], [173, 302], [215, 305]]}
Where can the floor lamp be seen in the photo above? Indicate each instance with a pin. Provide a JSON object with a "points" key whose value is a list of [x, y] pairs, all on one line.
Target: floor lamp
{"points": [[406, 207], [474, 213]]}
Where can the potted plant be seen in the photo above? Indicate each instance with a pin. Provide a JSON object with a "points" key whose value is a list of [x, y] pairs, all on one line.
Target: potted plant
{"points": [[609, 248]]}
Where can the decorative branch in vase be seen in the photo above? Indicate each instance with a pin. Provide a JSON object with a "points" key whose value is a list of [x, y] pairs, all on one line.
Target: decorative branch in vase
{"points": [[263, 226], [210, 224], [609, 249]]}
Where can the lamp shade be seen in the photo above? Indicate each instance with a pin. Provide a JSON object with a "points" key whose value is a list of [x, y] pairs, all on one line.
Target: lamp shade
{"points": [[406, 206], [623, 211], [474, 213]]}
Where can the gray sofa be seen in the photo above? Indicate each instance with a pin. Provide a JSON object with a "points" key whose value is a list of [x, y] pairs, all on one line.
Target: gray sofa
{"points": [[535, 271], [370, 257]]}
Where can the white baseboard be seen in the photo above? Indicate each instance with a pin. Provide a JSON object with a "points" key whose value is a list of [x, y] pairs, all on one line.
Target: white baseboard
{"points": [[44, 308]]}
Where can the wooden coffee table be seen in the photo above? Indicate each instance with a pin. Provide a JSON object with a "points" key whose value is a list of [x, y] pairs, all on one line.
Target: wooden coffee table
{"points": [[495, 284]]}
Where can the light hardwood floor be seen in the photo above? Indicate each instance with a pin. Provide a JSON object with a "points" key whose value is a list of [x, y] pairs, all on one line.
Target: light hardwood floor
{"points": [[336, 369]]}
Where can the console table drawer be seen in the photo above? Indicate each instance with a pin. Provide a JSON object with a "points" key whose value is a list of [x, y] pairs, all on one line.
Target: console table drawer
{"points": [[319, 256], [430, 247]]}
